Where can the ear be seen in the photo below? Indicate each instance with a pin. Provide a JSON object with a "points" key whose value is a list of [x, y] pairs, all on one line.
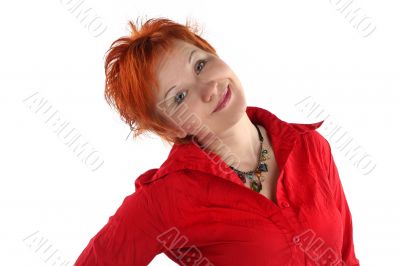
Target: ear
{"points": [[176, 131], [180, 133]]}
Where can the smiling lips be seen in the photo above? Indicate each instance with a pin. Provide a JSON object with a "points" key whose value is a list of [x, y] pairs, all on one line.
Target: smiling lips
{"points": [[224, 100]]}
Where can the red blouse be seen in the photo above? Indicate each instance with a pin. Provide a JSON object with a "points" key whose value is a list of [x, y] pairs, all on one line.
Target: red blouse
{"points": [[197, 211]]}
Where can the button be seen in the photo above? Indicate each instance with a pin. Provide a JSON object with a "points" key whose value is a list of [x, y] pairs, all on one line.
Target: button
{"points": [[285, 204]]}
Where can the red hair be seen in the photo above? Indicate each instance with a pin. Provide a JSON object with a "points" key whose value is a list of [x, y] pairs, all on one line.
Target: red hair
{"points": [[131, 86]]}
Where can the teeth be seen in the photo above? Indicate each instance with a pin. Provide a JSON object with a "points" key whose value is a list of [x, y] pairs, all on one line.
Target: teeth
{"points": [[223, 97], [225, 92]]}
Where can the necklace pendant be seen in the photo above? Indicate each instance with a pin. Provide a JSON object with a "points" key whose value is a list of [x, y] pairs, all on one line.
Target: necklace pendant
{"points": [[265, 155], [241, 176], [255, 186], [250, 176], [263, 167]]}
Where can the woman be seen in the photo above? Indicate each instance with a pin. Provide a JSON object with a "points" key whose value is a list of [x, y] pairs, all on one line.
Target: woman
{"points": [[239, 187]]}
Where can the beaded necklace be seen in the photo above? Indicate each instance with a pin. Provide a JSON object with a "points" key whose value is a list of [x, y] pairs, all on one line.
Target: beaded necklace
{"points": [[255, 183]]}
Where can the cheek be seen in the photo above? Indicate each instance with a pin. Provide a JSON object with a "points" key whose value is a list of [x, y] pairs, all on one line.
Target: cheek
{"points": [[184, 117], [192, 122], [190, 115]]}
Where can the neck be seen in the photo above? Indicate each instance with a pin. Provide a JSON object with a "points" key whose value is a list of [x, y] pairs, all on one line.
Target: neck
{"points": [[238, 146]]}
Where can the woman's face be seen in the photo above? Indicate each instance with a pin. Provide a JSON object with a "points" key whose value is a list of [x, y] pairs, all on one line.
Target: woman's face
{"points": [[192, 83]]}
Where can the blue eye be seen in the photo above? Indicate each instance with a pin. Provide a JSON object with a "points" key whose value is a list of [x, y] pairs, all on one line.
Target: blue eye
{"points": [[201, 61], [179, 98]]}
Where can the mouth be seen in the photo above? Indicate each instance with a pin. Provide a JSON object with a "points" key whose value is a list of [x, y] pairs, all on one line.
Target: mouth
{"points": [[224, 100]]}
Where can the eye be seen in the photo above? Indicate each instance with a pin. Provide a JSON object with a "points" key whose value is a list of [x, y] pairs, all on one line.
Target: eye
{"points": [[180, 96], [201, 63]]}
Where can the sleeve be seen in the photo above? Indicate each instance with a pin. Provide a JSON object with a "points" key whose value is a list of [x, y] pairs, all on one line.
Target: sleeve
{"points": [[128, 238], [348, 254]]}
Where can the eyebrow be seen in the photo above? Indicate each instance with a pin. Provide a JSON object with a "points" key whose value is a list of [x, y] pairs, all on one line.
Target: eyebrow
{"points": [[190, 59]]}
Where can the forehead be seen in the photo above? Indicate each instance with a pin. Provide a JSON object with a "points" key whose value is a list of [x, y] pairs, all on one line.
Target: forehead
{"points": [[172, 63], [176, 58]]}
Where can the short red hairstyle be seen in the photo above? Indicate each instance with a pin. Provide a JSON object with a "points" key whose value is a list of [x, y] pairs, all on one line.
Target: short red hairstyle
{"points": [[131, 86]]}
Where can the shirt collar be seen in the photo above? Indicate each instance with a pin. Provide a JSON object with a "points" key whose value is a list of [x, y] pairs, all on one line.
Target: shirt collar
{"points": [[283, 137]]}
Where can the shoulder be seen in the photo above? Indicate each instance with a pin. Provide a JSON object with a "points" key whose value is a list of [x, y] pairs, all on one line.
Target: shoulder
{"points": [[309, 132], [312, 143]]}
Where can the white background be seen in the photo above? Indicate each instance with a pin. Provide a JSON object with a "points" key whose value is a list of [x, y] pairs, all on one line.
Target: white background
{"points": [[282, 51]]}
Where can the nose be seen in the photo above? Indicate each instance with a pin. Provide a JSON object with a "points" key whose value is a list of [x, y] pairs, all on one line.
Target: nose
{"points": [[209, 91]]}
